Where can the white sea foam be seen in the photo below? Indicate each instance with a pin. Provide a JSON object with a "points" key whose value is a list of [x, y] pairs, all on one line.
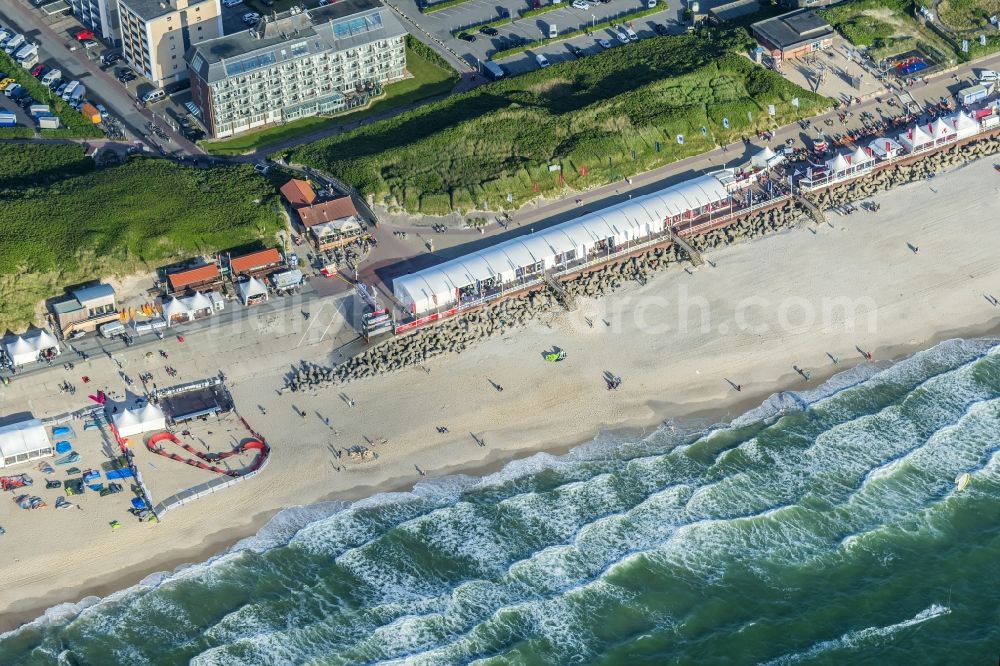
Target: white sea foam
{"points": [[581, 530], [860, 637]]}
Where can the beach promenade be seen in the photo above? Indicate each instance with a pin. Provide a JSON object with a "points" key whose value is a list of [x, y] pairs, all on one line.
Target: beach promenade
{"points": [[797, 299]]}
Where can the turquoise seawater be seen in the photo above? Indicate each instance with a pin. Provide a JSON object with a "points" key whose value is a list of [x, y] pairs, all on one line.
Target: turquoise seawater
{"points": [[822, 528]]}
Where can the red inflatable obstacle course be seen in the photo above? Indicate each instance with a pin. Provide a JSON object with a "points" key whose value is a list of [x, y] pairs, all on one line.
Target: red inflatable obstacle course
{"points": [[202, 460]]}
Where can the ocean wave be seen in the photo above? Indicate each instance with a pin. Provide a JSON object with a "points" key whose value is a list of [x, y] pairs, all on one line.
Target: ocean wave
{"points": [[460, 566], [861, 637]]}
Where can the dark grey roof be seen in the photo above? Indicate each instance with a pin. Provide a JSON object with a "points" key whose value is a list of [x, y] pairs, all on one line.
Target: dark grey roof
{"points": [[793, 28], [151, 9], [272, 38]]}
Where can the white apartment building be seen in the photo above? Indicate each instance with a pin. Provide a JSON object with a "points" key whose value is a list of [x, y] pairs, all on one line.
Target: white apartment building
{"points": [[300, 63], [157, 33]]}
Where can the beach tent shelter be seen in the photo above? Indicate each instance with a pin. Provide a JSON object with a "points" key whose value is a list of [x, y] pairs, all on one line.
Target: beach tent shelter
{"points": [[838, 166], [862, 159], [915, 139], [252, 291], [20, 351], [23, 441], [964, 125], [134, 421], [942, 131], [175, 312], [199, 305], [766, 159]]}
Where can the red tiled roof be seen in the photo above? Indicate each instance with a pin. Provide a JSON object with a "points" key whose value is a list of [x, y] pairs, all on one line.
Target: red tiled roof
{"points": [[335, 209], [196, 275], [298, 193], [259, 259]]}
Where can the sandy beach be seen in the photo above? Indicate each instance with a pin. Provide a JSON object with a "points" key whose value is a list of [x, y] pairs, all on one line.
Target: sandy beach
{"points": [[681, 343]]}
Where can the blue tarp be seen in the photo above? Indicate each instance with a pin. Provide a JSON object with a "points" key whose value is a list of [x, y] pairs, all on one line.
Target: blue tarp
{"points": [[118, 474]]}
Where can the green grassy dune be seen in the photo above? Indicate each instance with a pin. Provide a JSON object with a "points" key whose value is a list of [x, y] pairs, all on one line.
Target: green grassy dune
{"points": [[616, 113], [65, 222]]}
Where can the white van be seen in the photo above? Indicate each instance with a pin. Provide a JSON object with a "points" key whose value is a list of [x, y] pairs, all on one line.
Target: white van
{"points": [[542, 61], [14, 43], [553, 31], [988, 75], [112, 328], [154, 96], [631, 34]]}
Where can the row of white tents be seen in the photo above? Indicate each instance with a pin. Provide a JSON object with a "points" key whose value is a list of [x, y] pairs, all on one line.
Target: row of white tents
{"points": [[440, 286], [130, 422], [27, 348], [915, 139], [181, 309]]}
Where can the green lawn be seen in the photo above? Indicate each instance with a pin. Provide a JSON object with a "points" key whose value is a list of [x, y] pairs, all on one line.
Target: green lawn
{"points": [[429, 80], [599, 118], [65, 222]]}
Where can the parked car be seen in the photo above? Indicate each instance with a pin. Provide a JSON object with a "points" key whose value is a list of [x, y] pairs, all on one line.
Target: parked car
{"points": [[90, 43], [466, 37], [102, 110], [503, 12], [38, 70], [231, 3], [631, 34], [6, 81], [492, 32], [605, 44], [581, 4], [660, 28], [542, 61], [83, 35], [575, 50], [251, 18], [110, 58], [621, 36], [25, 102]]}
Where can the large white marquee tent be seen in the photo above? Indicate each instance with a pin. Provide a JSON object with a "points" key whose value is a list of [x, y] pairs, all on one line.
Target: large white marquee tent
{"points": [[130, 422], [439, 286], [23, 441], [27, 348]]}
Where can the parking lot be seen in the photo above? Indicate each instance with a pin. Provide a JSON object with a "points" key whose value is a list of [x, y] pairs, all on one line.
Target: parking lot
{"points": [[58, 48], [440, 24]]}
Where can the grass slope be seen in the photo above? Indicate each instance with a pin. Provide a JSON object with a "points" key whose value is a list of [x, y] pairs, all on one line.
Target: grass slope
{"points": [[606, 112], [74, 223]]}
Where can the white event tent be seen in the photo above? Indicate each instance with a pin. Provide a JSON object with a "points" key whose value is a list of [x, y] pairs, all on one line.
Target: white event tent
{"points": [[130, 422], [251, 291], [589, 235], [915, 139], [28, 347], [23, 441]]}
